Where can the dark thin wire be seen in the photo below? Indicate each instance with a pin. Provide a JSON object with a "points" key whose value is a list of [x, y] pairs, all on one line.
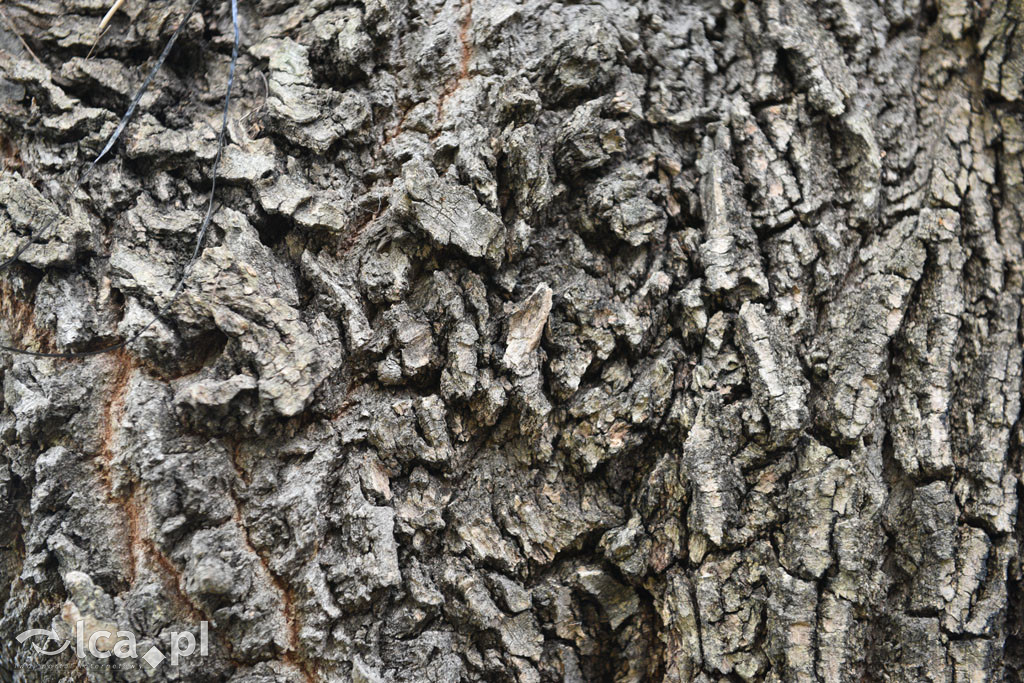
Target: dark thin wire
{"points": [[200, 236], [33, 234]]}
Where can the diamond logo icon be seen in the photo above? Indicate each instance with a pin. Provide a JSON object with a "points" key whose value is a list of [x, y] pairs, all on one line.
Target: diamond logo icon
{"points": [[154, 657]]}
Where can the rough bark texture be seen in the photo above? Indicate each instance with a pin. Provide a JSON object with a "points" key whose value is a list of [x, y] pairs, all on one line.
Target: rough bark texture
{"points": [[633, 341]]}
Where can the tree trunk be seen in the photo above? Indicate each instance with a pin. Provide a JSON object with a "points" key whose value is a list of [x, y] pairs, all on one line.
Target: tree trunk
{"points": [[632, 341]]}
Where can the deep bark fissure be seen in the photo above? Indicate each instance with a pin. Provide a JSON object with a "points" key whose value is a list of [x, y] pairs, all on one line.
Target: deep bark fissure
{"points": [[534, 342]]}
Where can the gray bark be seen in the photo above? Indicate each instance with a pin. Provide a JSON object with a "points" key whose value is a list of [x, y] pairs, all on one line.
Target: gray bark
{"points": [[633, 341]]}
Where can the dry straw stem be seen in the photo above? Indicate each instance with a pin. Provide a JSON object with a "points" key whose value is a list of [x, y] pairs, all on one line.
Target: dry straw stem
{"points": [[101, 30], [200, 236], [110, 14]]}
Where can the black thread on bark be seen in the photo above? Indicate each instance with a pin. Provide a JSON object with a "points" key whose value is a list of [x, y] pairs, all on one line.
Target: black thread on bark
{"points": [[111, 141]]}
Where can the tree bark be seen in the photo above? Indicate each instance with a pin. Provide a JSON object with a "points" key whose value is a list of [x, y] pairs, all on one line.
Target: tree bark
{"points": [[632, 341]]}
